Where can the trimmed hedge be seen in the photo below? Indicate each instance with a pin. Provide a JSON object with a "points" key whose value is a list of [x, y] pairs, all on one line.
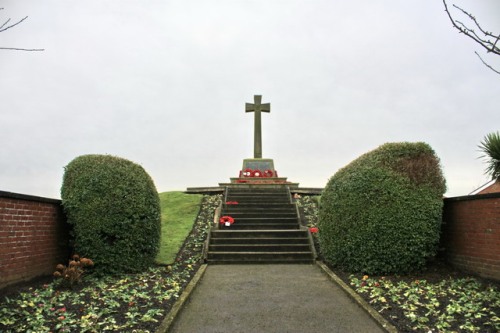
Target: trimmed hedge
{"points": [[382, 213], [114, 208]]}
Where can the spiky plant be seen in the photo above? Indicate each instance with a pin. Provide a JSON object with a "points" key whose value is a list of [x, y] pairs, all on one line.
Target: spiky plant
{"points": [[490, 146]]}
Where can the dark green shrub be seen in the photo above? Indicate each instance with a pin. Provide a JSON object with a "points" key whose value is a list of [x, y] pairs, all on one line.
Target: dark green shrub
{"points": [[114, 208], [382, 213]]}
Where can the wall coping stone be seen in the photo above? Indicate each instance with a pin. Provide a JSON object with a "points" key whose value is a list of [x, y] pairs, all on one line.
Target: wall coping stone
{"points": [[473, 197], [12, 195]]}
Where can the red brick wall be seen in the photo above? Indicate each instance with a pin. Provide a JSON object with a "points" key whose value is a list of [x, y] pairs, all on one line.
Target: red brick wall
{"points": [[471, 233], [33, 237]]}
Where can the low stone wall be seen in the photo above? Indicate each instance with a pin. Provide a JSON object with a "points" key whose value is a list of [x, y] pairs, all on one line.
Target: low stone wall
{"points": [[33, 237], [471, 234]]}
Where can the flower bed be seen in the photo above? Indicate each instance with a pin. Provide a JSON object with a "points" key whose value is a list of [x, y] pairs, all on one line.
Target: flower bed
{"points": [[437, 299], [132, 302]]}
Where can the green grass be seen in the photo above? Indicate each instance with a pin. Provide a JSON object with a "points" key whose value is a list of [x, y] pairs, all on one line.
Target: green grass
{"points": [[178, 213]]}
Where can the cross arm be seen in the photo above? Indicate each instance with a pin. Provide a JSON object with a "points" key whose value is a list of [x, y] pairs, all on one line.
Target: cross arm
{"points": [[250, 107]]}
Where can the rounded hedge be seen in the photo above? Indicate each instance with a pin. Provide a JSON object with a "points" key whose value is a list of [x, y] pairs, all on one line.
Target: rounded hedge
{"points": [[114, 208], [382, 213]]}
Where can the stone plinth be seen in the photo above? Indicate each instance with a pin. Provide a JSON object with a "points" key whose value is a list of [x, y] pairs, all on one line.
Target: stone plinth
{"points": [[259, 172]]}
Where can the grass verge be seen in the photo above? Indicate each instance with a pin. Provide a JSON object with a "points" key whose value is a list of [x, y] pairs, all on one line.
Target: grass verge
{"points": [[178, 213]]}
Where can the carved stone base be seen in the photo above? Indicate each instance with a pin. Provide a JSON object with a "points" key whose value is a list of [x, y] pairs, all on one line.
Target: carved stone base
{"points": [[259, 171]]}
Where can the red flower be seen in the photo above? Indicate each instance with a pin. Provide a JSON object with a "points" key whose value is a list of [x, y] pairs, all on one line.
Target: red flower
{"points": [[269, 173], [313, 230], [257, 173], [226, 220]]}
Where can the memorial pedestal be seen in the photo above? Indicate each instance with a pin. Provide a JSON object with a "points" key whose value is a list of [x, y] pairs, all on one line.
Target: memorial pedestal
{"points": [[259, 172]]}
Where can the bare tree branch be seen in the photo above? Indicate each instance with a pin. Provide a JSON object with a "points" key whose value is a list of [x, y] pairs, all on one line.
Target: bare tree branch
{"points": [[484, 38], [19, 49], [12, 25], [487, 65], [5, 23], [4, 27], [486, 43]]}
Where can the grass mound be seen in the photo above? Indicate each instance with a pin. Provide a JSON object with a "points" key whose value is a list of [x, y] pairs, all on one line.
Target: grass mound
{"points": [[178, 213]]}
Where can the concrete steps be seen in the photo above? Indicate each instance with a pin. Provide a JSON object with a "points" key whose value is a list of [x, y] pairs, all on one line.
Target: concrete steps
{"points": [[266, 229]]}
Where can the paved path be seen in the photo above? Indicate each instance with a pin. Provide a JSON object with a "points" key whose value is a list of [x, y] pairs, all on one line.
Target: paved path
{"points": [[270, 298]]}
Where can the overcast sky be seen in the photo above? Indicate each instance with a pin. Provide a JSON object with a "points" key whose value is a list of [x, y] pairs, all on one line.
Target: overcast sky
{"points": [[164, 84]]}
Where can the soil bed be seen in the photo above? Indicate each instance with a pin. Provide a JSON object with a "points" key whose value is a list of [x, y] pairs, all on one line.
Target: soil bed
{"points": [[138, 302], [435, 274], [126, 303]]}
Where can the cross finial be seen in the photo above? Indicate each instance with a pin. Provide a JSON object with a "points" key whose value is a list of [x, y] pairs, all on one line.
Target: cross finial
{"points": [[257, 108]]}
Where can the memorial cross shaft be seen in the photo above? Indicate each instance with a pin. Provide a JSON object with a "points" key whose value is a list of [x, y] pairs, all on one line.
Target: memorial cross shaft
{"points": [[257, 108]]}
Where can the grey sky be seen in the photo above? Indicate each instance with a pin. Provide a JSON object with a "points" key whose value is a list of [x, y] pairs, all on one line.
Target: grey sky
{"points": [[164, 83]]}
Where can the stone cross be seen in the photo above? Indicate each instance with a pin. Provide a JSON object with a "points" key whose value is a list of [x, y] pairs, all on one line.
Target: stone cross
{"points": [[257, 108]]}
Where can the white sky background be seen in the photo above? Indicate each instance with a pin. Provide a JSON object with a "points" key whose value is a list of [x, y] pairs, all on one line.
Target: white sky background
{"points": [[164, 84]]}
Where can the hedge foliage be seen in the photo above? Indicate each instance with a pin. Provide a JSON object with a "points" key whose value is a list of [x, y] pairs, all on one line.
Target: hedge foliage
{"points": [[382, 213], [114, 208]]}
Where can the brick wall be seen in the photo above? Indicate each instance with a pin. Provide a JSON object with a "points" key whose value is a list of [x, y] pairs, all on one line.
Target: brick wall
{"points": [[471, 233], [33, 237]]}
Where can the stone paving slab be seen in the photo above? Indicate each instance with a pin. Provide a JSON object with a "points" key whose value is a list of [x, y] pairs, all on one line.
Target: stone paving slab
{"points": [[270, 298]]}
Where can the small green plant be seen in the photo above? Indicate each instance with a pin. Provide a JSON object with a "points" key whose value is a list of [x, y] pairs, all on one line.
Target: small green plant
{"points": [[308, 206], [490, 146], [451, 305], [72, 274]]}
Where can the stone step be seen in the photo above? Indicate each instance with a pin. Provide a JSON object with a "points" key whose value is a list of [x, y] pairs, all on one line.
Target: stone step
{"points": [[262, 215], [260, 205], [299, 233], [246, 240], [258, 195], [266, 230], [258, 208], [259, 256], [267, 261], [259, 248], [260, 226], [263, 210], [253, 191], [265, 219], [261, 201]]}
